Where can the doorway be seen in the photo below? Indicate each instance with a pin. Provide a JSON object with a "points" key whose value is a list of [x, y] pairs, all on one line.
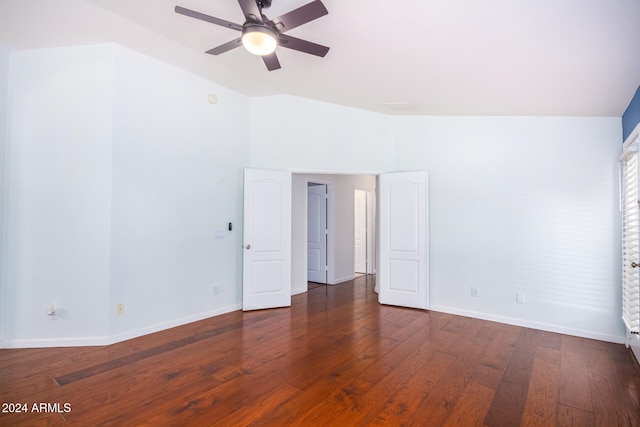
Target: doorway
{"points": [[363, 232], [340, 223]]}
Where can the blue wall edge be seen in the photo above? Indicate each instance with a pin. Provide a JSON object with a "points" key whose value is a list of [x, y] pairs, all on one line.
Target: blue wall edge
{"points": [[631, 116]]}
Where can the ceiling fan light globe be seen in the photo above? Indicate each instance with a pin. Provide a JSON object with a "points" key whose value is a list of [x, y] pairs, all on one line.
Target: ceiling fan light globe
{"points": [[259, 40]]}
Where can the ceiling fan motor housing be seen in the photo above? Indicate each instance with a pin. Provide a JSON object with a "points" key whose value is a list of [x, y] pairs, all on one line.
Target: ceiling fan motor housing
{"points": [[263, 3]]}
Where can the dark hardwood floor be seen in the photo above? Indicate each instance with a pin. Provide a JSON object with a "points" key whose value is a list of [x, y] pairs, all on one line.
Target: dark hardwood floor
{"points": [[336, 357]]}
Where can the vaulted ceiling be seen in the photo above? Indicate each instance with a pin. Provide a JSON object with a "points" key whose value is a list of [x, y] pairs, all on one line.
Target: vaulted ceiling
{"points": [[422, 57]]}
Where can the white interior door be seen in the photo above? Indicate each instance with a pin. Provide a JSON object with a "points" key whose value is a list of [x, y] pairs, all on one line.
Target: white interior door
{"points": [[317, 233], [403, 218], [360, 231], [266, 264]]}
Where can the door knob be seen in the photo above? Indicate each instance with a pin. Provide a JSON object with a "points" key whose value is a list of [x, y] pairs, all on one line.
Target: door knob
{"points": [[634, 264], [248, 246]]}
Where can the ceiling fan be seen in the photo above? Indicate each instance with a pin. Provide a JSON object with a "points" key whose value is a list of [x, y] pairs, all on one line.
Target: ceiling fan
{"points": [[261, 36]]}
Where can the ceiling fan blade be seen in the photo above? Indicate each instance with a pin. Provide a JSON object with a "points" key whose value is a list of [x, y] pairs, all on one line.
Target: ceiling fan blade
{"points": [[251, 10], [299, 16], [305, 46], [225, 47], [207, 18], [271, 61]]}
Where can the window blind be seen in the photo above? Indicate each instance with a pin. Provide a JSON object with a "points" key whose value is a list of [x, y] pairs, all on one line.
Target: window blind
{"points": [[630, 235]]}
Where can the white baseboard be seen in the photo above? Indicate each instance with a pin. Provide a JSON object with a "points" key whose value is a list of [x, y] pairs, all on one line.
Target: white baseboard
{"points": [[298, 291], [529, 324], [122, 336], [55, 342], [341, 280], [632, 341]]}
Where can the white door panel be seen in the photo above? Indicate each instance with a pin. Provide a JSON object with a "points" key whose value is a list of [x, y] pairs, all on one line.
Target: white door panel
{"points": [[317, 233], [403, 215], [266, 280]]}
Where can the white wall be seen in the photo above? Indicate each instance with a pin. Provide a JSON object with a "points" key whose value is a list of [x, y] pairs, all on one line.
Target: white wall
{"points": [[58, 195], [177, 179], [522, 205], [288, 132], [341, 222], [4, 92], [119, 174]]}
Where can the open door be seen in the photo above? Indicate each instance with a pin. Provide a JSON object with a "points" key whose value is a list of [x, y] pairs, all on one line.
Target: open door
{"points": [[266, 261], [317, 233], [403, 214]]}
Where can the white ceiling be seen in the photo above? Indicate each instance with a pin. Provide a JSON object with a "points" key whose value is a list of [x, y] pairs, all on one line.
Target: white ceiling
{"points": [[433, 57]]}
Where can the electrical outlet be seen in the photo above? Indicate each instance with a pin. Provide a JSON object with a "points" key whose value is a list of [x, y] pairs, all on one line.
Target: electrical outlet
{"points": [[119, 309], [51, 312], [475, 291], [218, 289], [520, 298]]}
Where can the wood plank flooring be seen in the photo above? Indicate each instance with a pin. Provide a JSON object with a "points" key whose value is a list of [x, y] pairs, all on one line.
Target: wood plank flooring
{"points": [[336, 357]]}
